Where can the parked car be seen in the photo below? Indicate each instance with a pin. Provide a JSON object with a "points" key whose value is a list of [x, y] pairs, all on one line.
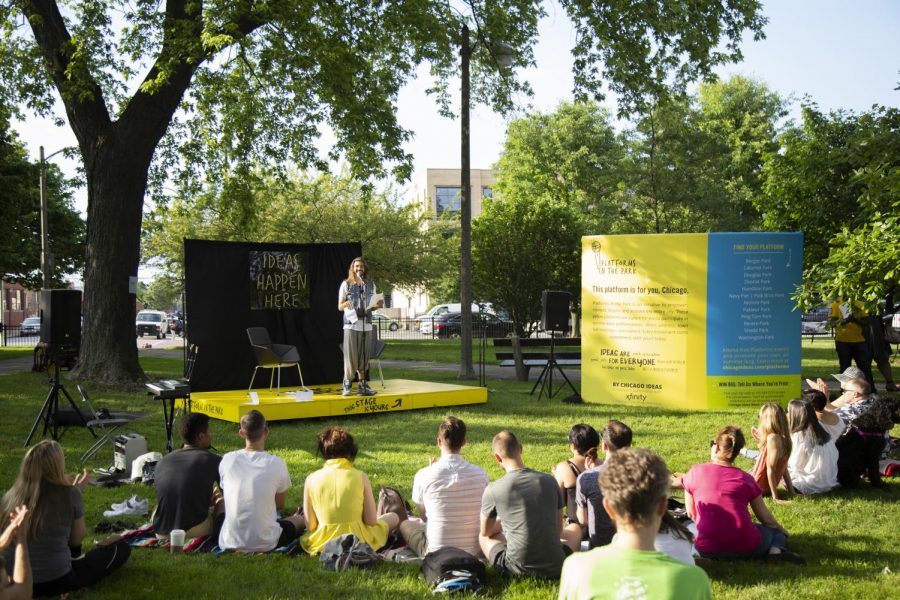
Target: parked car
{"points": [[814, 327], [384, 323], [490, 325], [30, 326], [153, 322], [817, 314], [424, 322]]}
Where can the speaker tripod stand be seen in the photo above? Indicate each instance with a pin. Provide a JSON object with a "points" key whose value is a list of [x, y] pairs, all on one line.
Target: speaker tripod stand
{"points": [[545, 379], [50, 409]]}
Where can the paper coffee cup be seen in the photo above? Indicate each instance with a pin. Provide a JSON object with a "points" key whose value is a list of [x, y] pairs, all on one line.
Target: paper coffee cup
{"points": [[176, 540]]}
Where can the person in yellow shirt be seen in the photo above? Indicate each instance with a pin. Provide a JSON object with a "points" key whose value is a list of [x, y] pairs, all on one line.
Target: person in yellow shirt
{"points": [[338, 498], [849, 341]]}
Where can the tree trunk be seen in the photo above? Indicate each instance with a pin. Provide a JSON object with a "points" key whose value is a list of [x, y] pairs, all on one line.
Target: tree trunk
{"points": [[116, 179]]}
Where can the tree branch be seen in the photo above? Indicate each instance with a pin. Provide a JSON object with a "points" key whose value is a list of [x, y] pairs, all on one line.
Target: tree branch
{"points": [[150, 110], [86, 108]]}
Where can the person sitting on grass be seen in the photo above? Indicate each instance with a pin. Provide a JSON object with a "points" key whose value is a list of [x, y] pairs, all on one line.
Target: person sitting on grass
{"points": [[865, 418], [774, 437], [447, 494], [338, 499], [254, 487], [17, 584], [184, 482], [869, 417], [522, 517], [589, 496], [813, 465], [716, 496], [582, 437], [55, 526], [634, 484]]}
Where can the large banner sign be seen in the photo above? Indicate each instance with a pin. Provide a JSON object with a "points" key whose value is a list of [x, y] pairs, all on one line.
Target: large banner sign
{"points": [[290, 289], [691, 320], [280, 279]]}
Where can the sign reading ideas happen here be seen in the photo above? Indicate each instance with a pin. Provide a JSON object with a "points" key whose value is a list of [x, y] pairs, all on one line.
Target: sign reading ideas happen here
{"points": [[279, 279]]}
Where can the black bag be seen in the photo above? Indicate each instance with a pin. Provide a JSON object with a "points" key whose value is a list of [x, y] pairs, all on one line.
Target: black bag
{"points": [[454, 570], [391, 500]]}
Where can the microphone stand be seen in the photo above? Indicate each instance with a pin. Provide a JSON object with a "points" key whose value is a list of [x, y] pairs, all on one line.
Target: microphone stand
{"points": [[363, 299]]}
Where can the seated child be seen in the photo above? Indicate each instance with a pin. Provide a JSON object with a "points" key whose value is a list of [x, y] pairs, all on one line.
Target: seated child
{"points": [[634, 486]]}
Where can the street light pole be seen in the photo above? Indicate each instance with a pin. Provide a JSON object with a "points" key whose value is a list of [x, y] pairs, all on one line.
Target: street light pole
{"points": [[45, 265], [466, 371], [46, 259]]}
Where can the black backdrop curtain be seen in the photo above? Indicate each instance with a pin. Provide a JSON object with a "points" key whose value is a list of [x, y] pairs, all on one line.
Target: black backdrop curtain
{"points": [[222, 287]]}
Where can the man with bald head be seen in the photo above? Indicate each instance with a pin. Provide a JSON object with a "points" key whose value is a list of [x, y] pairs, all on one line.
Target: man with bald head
{"points": [[522, 517]]}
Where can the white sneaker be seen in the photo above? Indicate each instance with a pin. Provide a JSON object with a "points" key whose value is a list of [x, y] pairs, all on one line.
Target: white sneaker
{"points": [[129, 502], [133, 506], [751, 454]]}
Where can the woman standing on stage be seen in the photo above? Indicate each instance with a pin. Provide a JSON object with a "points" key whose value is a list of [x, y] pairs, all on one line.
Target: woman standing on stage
{"points": [[354, 299]]}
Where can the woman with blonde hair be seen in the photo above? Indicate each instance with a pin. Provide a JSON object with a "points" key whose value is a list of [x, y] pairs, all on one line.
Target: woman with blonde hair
{"points": [[338, 499], [56, 524], [774, 437]]}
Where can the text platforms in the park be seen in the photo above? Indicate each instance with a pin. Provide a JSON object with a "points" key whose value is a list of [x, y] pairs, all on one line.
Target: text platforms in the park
{"points": [[280, 279], [665, 322]]}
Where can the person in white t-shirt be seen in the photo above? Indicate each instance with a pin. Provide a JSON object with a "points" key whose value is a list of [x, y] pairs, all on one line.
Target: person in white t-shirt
{"points": [[447, 494], [254, 486]]}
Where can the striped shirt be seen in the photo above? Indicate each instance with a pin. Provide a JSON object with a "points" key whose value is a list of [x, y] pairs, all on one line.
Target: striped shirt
{"points": [[451, 490]]}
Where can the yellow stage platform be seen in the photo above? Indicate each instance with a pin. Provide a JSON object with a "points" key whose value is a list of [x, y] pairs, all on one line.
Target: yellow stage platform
{"points": [[398, 394]]}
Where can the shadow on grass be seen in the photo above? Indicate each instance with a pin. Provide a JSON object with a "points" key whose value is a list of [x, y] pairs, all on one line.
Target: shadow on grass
{"points": [[827, 555]]}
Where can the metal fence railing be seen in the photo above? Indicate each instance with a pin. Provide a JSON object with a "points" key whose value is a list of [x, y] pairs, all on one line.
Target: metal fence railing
{"points": [[421, 328], [437, 328], [16, 335]]}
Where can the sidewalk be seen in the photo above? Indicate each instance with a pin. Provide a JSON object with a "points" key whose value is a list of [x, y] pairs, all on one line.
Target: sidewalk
{"points": [[24, 363], [495, 372], [16, 365]]}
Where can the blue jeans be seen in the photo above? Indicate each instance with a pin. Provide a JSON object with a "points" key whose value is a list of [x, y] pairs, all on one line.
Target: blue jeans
{"points": [[769, 537]]}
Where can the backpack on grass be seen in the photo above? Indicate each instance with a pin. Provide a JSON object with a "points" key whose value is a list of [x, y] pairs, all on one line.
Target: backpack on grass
{"points": [[347, 551], [451, 570]]}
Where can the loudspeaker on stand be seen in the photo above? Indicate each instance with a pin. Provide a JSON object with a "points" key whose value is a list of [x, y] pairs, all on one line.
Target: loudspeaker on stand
{"points": [[555, 310]]}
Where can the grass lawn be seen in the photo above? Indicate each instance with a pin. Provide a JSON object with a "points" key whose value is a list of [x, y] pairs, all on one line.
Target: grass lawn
{"points": [[818, 360], [7, 352], [848, 537]]}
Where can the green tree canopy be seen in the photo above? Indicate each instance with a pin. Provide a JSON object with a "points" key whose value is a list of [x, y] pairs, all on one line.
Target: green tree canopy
{"points": [[218, 84], [690, 163], [571, 155], [400, 249], [163, 293], [522, 246], [20, 227], [694, 163], [838, 180], [832, 171]]}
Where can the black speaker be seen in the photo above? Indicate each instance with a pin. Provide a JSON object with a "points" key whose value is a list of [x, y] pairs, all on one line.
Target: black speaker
{"points": [[61, 317], [555, 310]]}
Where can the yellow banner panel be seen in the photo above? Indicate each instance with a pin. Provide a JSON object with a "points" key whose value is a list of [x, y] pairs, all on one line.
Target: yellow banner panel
{"points": [[644, 319]]}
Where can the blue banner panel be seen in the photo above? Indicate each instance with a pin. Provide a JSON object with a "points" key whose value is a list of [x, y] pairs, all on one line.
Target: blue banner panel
{"points": [[752, 326]]}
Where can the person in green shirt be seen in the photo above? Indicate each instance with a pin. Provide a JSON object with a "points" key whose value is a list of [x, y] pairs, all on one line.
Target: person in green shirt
{"points": [[634, 487]]}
